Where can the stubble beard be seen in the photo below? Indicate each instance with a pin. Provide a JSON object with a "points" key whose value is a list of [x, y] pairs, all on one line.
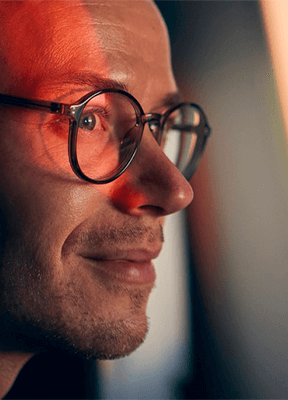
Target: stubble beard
{"points": [[35, 317]]}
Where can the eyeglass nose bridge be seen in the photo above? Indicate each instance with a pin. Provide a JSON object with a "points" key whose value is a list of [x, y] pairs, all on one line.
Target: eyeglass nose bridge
{"points": [[155, 123]]}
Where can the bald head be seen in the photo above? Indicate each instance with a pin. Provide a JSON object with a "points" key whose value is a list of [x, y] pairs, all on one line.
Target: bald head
{"points": [[43, 40]]}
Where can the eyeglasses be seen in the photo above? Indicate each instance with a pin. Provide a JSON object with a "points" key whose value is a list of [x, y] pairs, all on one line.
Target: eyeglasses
{"points": [[106, 127]]}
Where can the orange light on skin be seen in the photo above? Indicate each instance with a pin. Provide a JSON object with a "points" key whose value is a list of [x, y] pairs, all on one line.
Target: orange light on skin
{"points": [[275, 14], [45, 52], [33, 69], [125, 195]]}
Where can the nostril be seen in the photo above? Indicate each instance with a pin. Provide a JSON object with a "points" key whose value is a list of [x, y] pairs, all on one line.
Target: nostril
{"points": [[153, 210]]}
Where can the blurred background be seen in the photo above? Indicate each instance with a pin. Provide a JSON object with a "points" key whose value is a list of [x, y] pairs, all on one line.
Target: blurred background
{"points": [[219, 323]]}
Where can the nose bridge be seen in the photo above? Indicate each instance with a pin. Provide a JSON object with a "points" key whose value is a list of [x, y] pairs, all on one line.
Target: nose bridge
{"points": [[151, 117], [154, 121]]}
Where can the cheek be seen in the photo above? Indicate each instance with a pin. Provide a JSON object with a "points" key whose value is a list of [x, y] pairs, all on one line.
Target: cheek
{"points": [[30, 144], [36, 200], [40, 196], [51, 151]]}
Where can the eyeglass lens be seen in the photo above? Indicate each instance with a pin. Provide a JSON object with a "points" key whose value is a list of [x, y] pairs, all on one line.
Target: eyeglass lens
{"points": [[183, 135], [108, 134], [110, 129]]}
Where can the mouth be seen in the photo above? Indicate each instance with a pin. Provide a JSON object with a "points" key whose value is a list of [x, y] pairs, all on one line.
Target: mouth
{"points": [[130, 267]]}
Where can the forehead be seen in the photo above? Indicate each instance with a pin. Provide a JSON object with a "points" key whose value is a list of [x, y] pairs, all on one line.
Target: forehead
{"points": [[122, 40]]}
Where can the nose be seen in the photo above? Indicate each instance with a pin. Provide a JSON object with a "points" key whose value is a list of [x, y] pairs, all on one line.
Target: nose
{"points": [[152, 184]]}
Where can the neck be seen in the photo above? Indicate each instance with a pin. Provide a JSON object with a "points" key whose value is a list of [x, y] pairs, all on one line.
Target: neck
{"points": [[10, 365]]}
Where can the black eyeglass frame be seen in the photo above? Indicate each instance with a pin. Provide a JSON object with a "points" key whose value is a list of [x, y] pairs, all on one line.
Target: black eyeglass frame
{"points": [[74, 111]]}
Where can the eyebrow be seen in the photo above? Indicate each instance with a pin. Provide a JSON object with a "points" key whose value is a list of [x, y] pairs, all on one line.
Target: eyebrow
{"points": [[90, 80], [169, 100], [87, 80]]}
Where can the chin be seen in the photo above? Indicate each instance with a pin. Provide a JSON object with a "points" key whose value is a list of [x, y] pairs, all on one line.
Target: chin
{"points": [[115, 342], [100, 339], [107, 340], [80, 313]]}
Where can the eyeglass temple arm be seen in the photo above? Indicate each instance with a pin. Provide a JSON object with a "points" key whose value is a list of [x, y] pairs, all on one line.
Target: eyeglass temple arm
{"points": [[58, 108]]}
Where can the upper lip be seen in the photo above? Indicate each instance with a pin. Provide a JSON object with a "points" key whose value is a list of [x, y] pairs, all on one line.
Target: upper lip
{"points": [[132, 255]]}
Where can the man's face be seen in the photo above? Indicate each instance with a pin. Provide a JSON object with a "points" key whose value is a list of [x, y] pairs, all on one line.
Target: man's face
{"points": [[76, 268]]}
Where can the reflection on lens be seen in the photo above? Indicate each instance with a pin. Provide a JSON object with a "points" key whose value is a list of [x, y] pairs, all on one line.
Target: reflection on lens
{"points": [[184, 131], [107, 135]]}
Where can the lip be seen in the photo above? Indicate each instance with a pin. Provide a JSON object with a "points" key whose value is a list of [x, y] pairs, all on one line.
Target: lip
{"points": [[131, 267]]}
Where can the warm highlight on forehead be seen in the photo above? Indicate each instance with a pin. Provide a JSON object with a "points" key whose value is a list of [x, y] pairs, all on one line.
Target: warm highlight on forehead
{"points": [[134, 37], [126, 41], [122, 24], [41, 38]]}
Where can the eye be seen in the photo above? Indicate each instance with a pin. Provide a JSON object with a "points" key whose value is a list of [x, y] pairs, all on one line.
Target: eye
{"points": [[89, 121]]}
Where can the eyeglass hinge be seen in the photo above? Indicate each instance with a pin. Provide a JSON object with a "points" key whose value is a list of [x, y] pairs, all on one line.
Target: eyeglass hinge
{"points": [[57, 108]]}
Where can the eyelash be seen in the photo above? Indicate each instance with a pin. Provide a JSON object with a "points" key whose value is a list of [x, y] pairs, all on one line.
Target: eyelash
{"points": [[57, 122]]}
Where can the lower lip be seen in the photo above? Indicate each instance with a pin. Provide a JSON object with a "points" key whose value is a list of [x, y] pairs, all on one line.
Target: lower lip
{"points": [[131, 272]]}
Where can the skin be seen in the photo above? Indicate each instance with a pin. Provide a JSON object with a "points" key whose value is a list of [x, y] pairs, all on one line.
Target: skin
{"points": [[51, 220]]}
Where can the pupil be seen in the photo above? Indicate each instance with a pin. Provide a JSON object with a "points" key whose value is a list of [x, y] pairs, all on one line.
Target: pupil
{"points": [[88, 121]]}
